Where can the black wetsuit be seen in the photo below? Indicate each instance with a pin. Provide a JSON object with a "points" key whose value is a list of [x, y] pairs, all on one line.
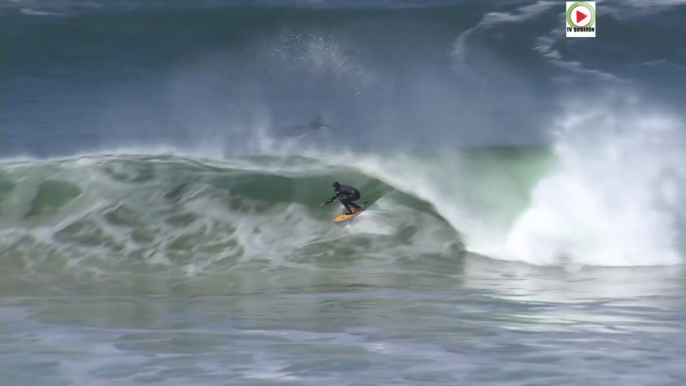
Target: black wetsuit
{"points": [[346, 194], [318, 123]]}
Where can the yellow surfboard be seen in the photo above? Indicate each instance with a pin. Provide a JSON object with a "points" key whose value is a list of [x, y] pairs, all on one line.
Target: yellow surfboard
{"points": [[345, 217]]}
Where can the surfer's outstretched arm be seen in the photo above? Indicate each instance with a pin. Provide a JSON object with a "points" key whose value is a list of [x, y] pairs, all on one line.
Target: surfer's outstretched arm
{"points": [[335, 196]]}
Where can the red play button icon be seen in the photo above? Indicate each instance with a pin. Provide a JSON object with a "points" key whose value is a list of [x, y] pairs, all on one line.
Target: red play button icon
{"points": [[581, 16]]}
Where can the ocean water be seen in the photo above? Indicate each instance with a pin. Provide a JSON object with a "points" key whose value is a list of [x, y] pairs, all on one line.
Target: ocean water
{"points": [[160, 190]]}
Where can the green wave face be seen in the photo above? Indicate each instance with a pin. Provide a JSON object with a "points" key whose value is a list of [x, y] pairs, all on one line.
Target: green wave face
{"points": [[163, 224]]}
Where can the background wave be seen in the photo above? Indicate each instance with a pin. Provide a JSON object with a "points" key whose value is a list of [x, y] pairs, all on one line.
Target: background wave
{"points": [[99, 75]]}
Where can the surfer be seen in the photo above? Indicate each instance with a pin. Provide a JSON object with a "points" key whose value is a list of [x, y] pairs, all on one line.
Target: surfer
{"points": [[318, 123], [346, 195]]}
